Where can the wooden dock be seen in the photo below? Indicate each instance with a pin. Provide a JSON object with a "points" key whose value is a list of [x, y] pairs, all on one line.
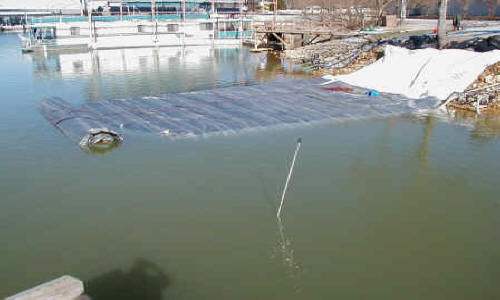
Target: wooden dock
{"points": [[289, 35]]}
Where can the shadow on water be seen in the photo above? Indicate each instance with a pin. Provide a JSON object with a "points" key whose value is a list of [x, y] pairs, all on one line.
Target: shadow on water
{"points": [[144, 281]]}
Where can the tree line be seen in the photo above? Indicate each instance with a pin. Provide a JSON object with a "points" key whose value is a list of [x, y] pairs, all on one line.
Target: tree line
{"points": [[424, 7]]}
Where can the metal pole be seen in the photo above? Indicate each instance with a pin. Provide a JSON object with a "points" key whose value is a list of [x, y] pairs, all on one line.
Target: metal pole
{"points": [[299, 142], [121, 10]]}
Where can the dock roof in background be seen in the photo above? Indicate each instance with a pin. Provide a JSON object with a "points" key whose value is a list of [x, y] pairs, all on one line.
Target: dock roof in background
{"points": [[30, 5]]}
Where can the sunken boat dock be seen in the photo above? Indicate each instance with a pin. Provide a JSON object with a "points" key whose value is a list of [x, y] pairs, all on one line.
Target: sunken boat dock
{"points": [[223, 110]]}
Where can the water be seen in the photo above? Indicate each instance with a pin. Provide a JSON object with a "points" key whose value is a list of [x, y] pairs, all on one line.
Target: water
{"points": [[396, 208]]}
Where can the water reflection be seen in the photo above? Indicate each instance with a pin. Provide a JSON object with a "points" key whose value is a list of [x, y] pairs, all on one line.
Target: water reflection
{"points": [[152, 71], [423, 149], [285, 251], [145, 281], [485, 127]]}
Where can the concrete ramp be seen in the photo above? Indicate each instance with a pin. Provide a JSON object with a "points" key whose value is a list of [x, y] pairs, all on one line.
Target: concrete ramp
{"points": [[62, 288]]}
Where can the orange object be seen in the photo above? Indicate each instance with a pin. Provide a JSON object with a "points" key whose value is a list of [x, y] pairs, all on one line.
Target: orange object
{"points": [[339, 89]]}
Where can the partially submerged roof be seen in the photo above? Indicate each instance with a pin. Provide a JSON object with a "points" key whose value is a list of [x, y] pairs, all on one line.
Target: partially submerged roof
{"points": [[224, 110]]}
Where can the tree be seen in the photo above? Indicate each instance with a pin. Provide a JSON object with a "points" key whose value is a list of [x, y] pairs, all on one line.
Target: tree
{"points": [[465, 4], [421, 5], [381, 6], [403, 11], [443, 6], [492, 6]]}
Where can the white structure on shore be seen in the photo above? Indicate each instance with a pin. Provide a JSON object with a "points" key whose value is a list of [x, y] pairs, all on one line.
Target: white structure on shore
{"points": [[40, 6], [156, 24]]}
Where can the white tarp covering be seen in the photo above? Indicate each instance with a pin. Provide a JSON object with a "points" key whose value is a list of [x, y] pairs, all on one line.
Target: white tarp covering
{"points": [[40, 4], [422, 73]]}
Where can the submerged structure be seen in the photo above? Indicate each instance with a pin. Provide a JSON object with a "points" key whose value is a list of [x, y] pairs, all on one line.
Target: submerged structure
{"points": [[381, 89], [223, 110]]}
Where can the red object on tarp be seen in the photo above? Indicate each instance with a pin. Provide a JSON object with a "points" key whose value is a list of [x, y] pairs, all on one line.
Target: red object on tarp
{"points": [[435, 31], [339, 89]]}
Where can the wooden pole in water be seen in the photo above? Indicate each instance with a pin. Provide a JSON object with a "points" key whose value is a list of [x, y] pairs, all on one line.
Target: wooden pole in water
{"points": [[299, 142], [443, 6]]}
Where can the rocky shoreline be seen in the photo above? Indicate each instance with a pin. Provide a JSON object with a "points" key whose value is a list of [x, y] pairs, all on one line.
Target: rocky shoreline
{"points": [[345, 56], [483, 94]]}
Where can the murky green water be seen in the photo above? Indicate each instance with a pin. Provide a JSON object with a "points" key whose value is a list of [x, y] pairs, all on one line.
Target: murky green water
{"points": [[397, 208]]}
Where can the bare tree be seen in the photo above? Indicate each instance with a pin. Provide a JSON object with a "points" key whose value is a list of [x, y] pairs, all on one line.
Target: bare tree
{"points": [[492, 6], [465, 4], [422, 4], [380, 6], [443, 6], [403, 11]]}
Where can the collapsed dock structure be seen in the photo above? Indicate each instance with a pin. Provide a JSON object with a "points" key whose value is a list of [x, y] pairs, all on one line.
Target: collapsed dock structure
{"points": [[274, 104], [223, 110]]}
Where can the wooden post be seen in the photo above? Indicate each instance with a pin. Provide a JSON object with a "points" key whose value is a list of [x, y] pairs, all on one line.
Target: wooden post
{"points": [[443, 6]]}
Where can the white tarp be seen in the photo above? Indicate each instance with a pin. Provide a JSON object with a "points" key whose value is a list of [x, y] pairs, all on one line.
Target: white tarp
{"points": [[40, 4], [421, 73]]}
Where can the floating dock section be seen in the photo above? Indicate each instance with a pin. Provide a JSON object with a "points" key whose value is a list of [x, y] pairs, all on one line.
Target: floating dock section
{"points": [[224, 110]]}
